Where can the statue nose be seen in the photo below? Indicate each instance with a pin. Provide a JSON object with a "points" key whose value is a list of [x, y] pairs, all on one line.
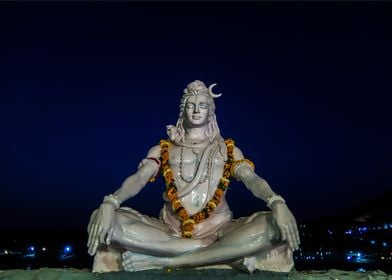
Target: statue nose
{"points": [[196, 110]]}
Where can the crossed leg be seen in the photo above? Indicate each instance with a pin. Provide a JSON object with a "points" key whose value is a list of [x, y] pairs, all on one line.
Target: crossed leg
{"points": [[141, 234], [241, 239]]}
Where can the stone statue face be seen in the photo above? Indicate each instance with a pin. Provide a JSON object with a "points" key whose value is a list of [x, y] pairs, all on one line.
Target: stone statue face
{"points": [[196, 111]]}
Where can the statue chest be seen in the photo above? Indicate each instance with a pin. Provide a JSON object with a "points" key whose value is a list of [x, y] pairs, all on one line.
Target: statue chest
{"points": [[190, 166]]}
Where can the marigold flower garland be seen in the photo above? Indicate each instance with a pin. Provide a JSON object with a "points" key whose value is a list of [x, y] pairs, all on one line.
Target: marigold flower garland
{"points": [[188, 222]]}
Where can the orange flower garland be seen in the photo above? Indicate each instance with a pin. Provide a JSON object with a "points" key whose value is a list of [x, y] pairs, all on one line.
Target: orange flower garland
{"points": [[188, 222]]}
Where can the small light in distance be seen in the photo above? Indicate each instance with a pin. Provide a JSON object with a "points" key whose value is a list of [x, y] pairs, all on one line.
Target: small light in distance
{"points": [[67, 249]]}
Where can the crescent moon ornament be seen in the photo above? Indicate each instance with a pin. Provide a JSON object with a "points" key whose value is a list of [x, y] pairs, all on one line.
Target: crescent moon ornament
{"points": [[211, 93]]}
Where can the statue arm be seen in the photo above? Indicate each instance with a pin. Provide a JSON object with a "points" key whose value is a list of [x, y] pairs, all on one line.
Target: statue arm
{"points": [[148, 169], [260, 188], [102, 219], [257, 185]]}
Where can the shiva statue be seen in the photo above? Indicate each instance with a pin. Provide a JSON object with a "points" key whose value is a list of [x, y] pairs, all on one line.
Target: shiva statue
{"points": [[195, 227]]}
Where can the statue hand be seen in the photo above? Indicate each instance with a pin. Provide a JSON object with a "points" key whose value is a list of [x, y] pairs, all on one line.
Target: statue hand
{"points": [[286, 223], [100, 222]]}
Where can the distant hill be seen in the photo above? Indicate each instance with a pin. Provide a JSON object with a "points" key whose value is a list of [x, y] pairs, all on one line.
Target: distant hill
{"points": [[374, 210]]}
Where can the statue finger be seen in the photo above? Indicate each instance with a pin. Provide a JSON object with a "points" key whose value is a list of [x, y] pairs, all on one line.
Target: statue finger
{"points": [[90, 236], [90, 248], [94, 231], [89, 239], [283, 232], [290, 240], [96, 243], [295, 230], [100, 232], [108, 235], [92, 220], [297, 234], [98, 226], [91, 233], [93, 248], [99, 229], [91, 223], [94, 235], [293, 237], [102, 236]]}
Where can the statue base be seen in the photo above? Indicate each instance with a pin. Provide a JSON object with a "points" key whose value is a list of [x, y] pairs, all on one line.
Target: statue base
{"points": [[190, 274]]}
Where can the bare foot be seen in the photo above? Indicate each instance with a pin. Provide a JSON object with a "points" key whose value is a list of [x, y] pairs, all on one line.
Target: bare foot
{"points": [[139, 262]]}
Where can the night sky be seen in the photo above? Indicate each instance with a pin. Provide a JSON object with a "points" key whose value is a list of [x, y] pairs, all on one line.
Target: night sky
{"points": [[87, 88]]}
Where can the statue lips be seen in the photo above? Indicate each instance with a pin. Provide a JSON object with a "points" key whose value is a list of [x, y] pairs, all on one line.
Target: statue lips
{"points": [[196, 117]]}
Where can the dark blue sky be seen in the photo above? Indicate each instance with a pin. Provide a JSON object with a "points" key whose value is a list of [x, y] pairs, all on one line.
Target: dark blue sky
{"points": [[87, 88]]}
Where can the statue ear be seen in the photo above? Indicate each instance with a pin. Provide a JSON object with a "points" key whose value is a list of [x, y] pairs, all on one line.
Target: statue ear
{"points": [[171, 132], [210, 128]]}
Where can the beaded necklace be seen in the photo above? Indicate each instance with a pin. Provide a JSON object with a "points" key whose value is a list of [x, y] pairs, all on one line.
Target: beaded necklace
{"points": [[188, 222]]}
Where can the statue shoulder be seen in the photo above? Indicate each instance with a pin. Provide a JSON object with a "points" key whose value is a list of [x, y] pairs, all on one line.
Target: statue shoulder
{"points": [[237, 153], [239, 161], [154, 152]]}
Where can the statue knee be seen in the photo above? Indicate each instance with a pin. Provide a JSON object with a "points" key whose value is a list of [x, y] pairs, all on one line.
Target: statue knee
{"points": [[261, 220], [252, 230], [266, 223], [122, 221], [262, 225]]}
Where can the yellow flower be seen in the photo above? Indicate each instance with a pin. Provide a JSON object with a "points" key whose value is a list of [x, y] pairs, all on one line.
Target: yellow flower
{"points": [[189, 221], [199, 217], [187, 234], [176, 204], [211, 204], [183, 214], [189, 227], [171, 194]]}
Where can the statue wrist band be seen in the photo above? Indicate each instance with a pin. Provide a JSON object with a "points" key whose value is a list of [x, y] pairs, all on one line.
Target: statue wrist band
{"points": [[274, 198], [112, 199]]}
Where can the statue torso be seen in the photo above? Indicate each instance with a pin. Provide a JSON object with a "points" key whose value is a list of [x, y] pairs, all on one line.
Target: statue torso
{"points": [[185, 162]]}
